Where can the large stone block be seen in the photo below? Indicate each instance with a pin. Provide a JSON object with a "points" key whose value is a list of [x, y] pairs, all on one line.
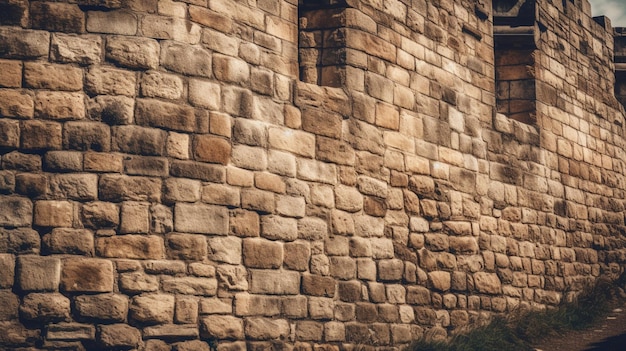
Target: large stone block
{"points": [[266, 329], [155, 113], [222, 327], [211, 149], [174, 28], [152, 308], [42, 307], [131, 246], [21, 240], [37, 273], [16, 212], [72, 48], [70, 332], [118, 336], [59, 105], [260, 253], [186, 247], [23, 44], [274, 282], [103, 80], [135, 282], [9, 133], [187, 59], [142, 53], [107, 307], [54, 213], [69, 241], [43, 75], [16, 103], [11, 76], [86, 136], [200, 218], [87, 275], [57, 17], [74, 186], [41, 135], [487, 283], [114, 22], [118, 188]]}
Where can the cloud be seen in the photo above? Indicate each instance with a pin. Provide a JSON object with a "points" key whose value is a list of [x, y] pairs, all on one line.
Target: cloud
{"points": [[613, 9]]}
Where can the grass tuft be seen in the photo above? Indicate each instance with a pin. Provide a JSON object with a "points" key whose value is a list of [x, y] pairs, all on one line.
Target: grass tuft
{"points": [[523, 327]]}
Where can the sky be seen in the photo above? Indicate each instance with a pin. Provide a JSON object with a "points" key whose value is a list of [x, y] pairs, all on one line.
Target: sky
{"points": [[613, 9]]}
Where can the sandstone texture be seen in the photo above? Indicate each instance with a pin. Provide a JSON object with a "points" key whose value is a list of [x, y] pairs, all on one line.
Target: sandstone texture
{"points": [[301, 175]]}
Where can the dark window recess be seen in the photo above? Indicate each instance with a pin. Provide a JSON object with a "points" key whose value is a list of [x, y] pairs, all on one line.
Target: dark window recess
{"points": [[322, 42], [514, 46]]}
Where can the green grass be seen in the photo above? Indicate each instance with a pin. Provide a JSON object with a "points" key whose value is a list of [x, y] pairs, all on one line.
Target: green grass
{"points": [[520, 329]]}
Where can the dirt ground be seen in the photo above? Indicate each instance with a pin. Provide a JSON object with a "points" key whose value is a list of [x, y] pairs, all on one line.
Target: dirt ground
{"points": [[609, 334]]}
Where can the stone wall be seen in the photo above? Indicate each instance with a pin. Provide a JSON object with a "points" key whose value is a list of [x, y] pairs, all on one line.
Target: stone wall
{"points": [[238, 175]]}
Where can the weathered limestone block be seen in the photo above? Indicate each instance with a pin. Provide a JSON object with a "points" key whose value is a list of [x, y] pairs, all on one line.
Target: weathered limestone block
{"points": [[7, 270], [211, 149], [187, 59], [80, 187], [108, 307], [230, 69], [439, 280], [110, 81], [57, 17], [121, 336], [192, 345], [135, 282], [87, 275], [53, 213], [72, 48], [16, 212], [9, 304], [159, 114], [14, 333], [225, 249], [23, 44], [62, 161], [260, 253], [11, 77], [59, 105], [117, 188], [279, 228], [131, 52], [200, 218], [317, 285], [257, 305], [186, 310], [114, 22], [266, 329], [161, 85], [204, 94], [186, 246], [152, 308], [131, 246], [198, 170], [487, 283], [98, 215], [69, 241], [139, 140], [70, 331], [37, 134], [296, 255], [16, 103], [43, 75], [234, 278], [9, 133], [22, 240], [112, 110], [190, 286], [274, 282], [86, 136], [312, 229], [37, 273], [135, 217], [42, 307], [222, 327], [172, 331]]}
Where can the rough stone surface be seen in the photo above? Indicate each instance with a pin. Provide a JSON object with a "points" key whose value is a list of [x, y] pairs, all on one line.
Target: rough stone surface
{"points": [[278, 175]]}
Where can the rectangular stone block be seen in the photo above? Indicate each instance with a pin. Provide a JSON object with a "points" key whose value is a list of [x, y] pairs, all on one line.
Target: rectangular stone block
{"points": [[69, 241], [72, 48], [154, 113], [114, 22], [19, 241], [11, 75], [59, 105], [37, 134], [16, 211], [45, 307], [87, 136], [53, 214], [186, 59], [55, 17], [116, 188], [110, 81], [87, 275], [169, 331], [131, 246], [23, 43], [37, 273], [7, 271], [198, 170], [190, 286], [16, 103], [274, 282], [178, 29], [131, 52], [200, 218], [70, 331]]}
